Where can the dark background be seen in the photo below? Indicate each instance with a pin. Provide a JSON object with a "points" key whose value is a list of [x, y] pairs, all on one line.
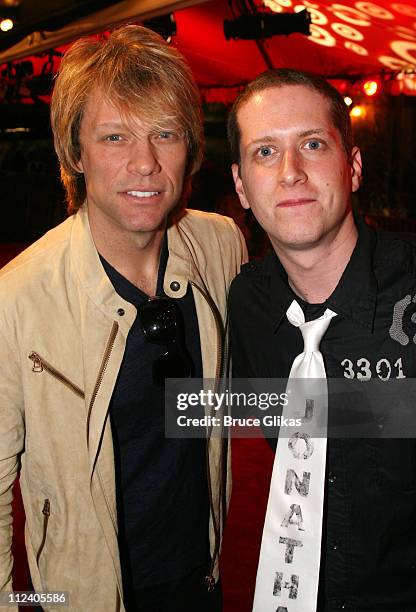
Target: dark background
{"points": [[33, 199]]}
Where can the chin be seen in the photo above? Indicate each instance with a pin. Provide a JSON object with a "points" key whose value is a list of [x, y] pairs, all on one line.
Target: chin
{"points": [[299, 242], [144, 227], [146, 223]]}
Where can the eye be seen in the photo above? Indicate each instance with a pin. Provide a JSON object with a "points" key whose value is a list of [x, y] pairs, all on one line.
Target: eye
{"points": [[166, 134], [314, 145], [113, 138], [172, 136], [265, 151]]}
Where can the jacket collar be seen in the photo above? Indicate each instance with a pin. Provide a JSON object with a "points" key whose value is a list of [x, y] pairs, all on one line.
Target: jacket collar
{"points": [[354, 297], [91, 274], [179, 269], [89, 269], [183, 265]]}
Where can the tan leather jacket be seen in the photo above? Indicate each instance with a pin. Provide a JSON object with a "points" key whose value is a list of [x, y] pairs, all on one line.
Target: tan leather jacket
{"points": [[63, 331]]}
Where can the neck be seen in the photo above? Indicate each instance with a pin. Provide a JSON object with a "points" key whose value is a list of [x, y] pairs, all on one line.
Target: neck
{"points": [[315, 272], [136, 256]]}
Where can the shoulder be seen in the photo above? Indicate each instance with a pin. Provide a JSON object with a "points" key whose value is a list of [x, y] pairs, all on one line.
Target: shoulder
{"points": [[200, 221], [248, 274], [253, 277], [214, 234], [396, 250]]}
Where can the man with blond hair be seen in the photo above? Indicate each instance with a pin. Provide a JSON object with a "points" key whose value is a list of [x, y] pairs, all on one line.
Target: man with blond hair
{"points": [[129, 290]]}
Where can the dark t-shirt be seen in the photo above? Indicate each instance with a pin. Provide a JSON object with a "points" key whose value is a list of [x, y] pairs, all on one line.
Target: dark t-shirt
{"points": [[162, 492]]}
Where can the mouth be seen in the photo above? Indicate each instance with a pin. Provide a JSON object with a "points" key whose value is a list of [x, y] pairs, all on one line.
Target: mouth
{"points": [[142, 194], [295, 202]]}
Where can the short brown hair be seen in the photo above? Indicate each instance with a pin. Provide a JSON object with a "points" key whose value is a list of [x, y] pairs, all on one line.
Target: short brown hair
{"points": [[139, 73], [278, 77]]}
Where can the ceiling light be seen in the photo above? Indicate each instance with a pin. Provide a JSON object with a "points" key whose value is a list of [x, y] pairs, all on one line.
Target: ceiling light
{"points": [[256, 26], [358, 112], [9, 15], [370, 88], [6, 24]]}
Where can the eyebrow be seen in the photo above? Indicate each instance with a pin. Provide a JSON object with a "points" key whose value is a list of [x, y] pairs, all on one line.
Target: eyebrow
{"points": [[311, 132], [111, 124], [318, 131], [124, 125]]}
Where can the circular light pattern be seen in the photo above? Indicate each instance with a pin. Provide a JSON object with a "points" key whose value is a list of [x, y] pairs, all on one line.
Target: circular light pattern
{"points": [[350, 15], [374, 10], [321, 37], [394, 63], [403, 48], [348, 100], [346, 31], [317, 17], [358, 49], [406, 33], [358, 112], [6, 25], [410, 82], [406, 83], [404, 9], [370, 88], [273, 6]]}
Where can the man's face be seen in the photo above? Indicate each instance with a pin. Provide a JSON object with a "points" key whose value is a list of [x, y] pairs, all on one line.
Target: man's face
{"points": [[133, 173], [294, 172]]}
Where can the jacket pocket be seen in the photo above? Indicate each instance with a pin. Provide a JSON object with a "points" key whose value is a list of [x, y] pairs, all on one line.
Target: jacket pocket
{"points": [[41, 365], [46, 514]]}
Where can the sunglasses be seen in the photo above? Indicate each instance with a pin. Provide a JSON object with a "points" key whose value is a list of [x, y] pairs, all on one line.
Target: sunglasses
{"points": [[162, 323]]}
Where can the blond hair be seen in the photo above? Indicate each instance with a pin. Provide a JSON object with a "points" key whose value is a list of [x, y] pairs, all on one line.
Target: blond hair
{"points": [[142, 76]]}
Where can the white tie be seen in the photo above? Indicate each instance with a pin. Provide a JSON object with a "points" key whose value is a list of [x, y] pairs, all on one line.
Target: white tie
{"points": [[288, 570]]}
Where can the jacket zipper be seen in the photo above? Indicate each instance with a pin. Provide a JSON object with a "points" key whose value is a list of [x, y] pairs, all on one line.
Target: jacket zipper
{"points": [[46, 514], [104, 363], [40, 365], [209, 578]]}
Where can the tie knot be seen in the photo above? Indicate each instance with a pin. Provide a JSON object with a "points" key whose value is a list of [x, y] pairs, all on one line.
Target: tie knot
{"points": [[312, 331]]}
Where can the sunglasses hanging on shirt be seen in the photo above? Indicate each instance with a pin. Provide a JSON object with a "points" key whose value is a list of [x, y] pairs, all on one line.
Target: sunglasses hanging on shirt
{"points": [[161, 323]]}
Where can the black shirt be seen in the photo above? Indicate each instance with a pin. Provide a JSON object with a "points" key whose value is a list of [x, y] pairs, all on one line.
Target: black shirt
{"points": [[369, 538], [161, 484]]}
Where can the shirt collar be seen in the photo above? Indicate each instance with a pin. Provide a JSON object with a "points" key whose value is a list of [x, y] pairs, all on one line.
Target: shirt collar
{"points": [[127, 290], [354, 297]]}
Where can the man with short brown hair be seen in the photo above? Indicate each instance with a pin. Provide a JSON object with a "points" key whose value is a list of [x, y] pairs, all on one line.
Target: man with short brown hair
{"points": [[296, 168]]}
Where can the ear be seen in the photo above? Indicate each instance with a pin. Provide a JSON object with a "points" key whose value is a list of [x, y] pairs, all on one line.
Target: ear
{"points": [[238, 182], [356, 168]]}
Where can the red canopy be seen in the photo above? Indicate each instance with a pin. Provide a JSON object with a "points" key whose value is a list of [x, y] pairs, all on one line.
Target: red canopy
{"points": [[349, 39]]}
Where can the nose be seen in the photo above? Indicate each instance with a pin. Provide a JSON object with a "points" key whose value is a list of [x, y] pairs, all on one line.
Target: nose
{"points": [[142, 159], [291, 168]]}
